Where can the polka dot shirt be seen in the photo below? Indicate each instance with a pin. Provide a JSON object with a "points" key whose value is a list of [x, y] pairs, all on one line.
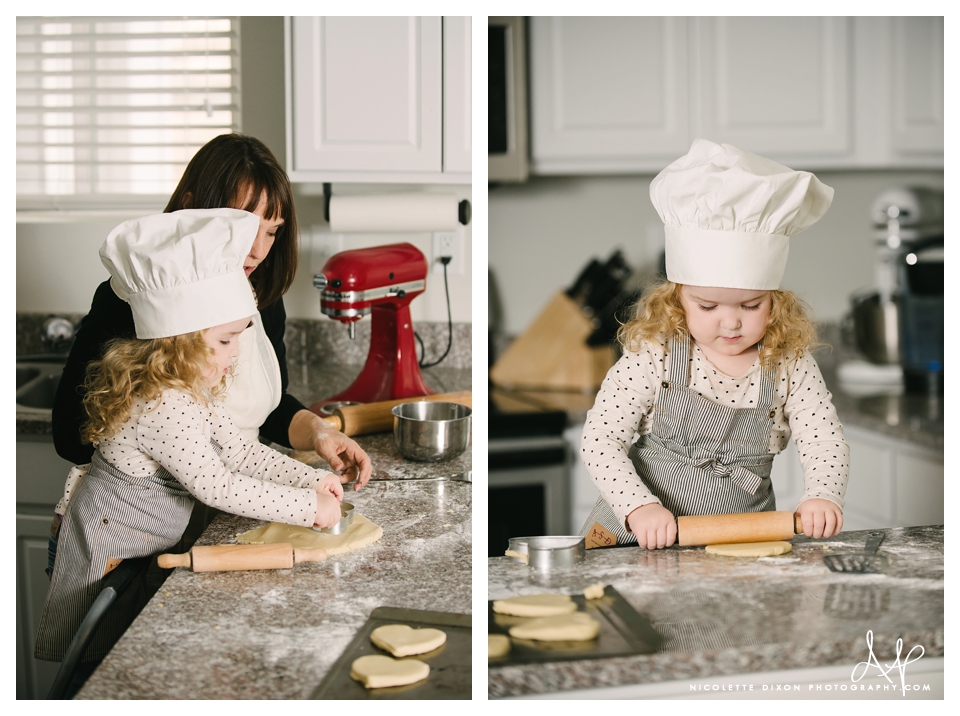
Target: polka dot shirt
{"points": [[246, 478], [624, 407]]}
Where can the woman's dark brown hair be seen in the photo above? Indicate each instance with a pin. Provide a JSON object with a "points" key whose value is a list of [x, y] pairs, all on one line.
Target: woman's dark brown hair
{"points": [[234, 171]]}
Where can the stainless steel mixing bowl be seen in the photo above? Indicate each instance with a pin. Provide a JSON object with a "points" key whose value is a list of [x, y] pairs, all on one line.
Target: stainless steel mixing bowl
{"points": [[431, 431]]}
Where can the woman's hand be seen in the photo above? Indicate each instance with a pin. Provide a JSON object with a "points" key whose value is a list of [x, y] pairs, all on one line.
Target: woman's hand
{"points": [[330, 483], [820, 518], [654, 526], [309, 432], [344, 456], [328, 509]]}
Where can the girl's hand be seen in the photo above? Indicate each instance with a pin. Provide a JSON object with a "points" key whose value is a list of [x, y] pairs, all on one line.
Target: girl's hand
{"points": [[820, 518], [654, 526], [330, 483], [328, 509]]}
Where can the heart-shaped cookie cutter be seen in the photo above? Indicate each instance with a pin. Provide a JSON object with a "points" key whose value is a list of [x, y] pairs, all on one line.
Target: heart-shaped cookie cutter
{"points": [[346, 519]]}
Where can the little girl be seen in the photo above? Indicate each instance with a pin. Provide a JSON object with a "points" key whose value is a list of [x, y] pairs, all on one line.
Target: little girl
{"points": [[162, 438], [716, 373]]}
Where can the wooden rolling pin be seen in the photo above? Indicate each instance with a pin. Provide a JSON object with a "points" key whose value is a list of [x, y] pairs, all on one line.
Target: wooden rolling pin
{"points": [[746, 527], [377, 418], [232, 557]]}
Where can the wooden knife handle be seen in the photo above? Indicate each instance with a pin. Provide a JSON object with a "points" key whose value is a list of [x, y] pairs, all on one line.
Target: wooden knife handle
{"points": [[377, 418], [746, 527]]}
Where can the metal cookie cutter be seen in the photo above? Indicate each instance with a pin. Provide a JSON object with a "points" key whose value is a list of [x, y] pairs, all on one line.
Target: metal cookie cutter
{"points": [[346, 519], [547, 553]]}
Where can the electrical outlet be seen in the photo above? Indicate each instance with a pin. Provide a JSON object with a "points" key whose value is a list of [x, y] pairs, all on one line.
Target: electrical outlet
{"points": [[448, 243]]}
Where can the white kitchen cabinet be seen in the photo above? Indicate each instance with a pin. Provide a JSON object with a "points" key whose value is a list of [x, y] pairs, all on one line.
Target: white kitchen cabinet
{"points": [[778, 85], [628, 95], [607, 91], [370, 99]]}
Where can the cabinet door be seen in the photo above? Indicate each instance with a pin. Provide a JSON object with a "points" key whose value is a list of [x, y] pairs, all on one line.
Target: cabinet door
{"points": [[917, 91], [366, 94], [608, 93], [919, 490], [777, 85], [457, 83], [869, 502], [34, 677]]}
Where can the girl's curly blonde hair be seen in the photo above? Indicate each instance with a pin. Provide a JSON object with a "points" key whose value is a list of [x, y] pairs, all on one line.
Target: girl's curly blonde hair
{"points": [[132, 368], [659, 315]]}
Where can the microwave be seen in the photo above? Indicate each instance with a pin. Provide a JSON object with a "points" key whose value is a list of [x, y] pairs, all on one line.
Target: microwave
{"points": [[507, 99]]}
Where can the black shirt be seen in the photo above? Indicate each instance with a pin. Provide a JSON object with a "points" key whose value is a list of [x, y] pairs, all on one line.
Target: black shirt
{"points": [[110, 317]]}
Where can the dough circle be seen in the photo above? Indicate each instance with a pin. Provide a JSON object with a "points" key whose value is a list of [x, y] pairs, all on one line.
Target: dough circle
{"points": [[750, 549], [535, 605], [402, 640], [378, 672], [497, 645], [361, 533], [564, 627], [594, 591]]}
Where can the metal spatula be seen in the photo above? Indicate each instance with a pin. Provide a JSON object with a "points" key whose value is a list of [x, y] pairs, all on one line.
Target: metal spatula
{"points": [[866, 561]]}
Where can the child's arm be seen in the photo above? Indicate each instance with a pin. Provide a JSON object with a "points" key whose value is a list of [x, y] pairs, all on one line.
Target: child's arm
{"points": [[626, 396], [257, 460], [173, 435], [824, 454]]}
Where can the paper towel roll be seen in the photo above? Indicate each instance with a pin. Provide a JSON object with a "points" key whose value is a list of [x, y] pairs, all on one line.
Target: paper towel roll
{"points": [[394, 212]]}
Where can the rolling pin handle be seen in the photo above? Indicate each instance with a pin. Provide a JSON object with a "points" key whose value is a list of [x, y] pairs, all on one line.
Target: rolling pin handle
{"points": [[169, 561], [334, 421], [318, 554], [797, 524]]}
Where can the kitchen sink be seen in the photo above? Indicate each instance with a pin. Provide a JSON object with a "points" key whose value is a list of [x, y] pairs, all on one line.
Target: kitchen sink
{"points": [[37, 385]]}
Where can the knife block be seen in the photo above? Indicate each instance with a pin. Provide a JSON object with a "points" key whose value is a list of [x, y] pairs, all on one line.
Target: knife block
{"points": [[553, 353]]}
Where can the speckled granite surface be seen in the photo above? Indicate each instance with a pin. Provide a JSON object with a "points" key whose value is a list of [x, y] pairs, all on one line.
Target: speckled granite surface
{"points": [[724, 616], [274, 634]]}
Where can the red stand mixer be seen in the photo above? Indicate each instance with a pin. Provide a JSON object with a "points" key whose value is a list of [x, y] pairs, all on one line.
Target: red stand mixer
{"points": [[380, 281]]}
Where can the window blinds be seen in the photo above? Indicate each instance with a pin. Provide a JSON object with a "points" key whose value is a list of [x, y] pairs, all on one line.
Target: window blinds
{"points": [[110, 106]]}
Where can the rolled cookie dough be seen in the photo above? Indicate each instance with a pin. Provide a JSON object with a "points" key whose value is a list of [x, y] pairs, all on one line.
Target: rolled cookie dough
{"points": [[378, 672], [402, 640], [594, 591], [361, 533], [497, 645], [565, 627], [535, 605], [750, 549]]}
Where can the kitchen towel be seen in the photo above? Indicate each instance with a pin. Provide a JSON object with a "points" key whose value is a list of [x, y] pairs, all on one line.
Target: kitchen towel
{"points": [[394, 212]]}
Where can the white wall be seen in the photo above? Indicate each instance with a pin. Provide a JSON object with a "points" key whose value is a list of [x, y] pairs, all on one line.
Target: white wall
{"points": [[544, 232]]}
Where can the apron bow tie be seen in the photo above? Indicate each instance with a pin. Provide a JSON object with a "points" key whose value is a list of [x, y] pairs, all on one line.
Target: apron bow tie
{"points": [[749, 481]]}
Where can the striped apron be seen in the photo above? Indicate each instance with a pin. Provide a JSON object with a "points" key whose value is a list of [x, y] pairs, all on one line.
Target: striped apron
{"points": [[111, 516], [701, 458]]}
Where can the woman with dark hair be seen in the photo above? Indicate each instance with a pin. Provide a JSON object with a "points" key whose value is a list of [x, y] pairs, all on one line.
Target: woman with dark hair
{"points": [[238, 172]]}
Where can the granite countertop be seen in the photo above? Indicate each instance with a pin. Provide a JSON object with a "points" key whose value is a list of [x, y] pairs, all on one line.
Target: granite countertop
{"points": [[723, 616], [276, 633]]}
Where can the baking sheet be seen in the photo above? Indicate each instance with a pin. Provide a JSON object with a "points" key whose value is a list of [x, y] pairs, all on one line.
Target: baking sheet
{"points": [[623, 632], [450, 665]]}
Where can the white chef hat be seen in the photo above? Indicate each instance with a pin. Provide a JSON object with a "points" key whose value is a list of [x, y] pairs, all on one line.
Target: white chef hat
{"points": [[183, 271], [728, 215]]}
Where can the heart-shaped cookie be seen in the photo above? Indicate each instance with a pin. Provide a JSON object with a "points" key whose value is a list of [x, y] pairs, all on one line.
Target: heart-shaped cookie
{"points": [[402, 640], [378, 672]]}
